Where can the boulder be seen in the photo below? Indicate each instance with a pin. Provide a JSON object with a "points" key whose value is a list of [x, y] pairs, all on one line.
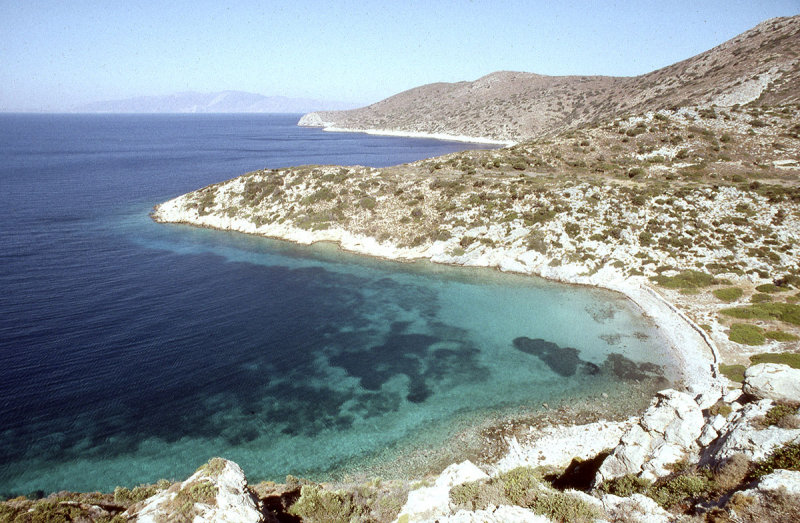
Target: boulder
{"points": [[772, 381], [665, 434], [744, 433], [432, 502], [216, 492]]}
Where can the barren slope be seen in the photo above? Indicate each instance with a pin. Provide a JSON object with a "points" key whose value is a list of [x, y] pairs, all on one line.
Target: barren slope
{"points": [[516, 106]]}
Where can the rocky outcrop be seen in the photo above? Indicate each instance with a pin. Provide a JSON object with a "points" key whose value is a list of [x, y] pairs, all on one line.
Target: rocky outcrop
{"points": [[773, 381], [501, 514], [216, 492], [666, 433], [636, 508], [744, 433], [432, 502]]}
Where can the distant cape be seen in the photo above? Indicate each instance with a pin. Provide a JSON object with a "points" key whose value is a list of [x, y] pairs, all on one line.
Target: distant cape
{"points": [[221, 102]]}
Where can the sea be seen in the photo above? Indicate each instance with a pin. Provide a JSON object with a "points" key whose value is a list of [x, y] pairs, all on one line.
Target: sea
{"points": [[132, 351]]}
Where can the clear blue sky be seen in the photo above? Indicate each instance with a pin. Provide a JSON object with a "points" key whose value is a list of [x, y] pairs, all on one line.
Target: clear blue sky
{"points": [[55, 54]]}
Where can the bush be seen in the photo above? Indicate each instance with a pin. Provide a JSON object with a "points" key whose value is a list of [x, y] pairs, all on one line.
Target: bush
{"points": [[728, 294], [732, 372], [680, 488], [781, 336], [792, 359], [316, 504], [625, 486], [782, 415], [690, 279], [746, 334], [787, 312], [769, 288], [786, 457]]}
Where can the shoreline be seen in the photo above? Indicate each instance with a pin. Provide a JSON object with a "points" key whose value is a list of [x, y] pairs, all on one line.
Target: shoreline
{"points": [[696, 354], [308, 120]]}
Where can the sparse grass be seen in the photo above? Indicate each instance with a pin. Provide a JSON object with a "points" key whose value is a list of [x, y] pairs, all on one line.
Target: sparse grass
{"points": [[792, 359], [746, 334], [728, 294], [787, 312], [780, 336], [690, 279], [523, 487], [733, 372]]}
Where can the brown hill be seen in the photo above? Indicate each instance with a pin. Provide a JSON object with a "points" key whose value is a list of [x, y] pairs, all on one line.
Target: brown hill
{"points": [[760, 66]]}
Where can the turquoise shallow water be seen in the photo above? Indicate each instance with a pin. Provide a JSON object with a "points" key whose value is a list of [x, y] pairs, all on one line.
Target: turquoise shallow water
{"points": [[132, 351]]}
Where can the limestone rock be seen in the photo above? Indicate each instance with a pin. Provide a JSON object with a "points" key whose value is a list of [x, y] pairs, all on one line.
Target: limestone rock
{"points": [[772, 381], [745, 434], [501, 514], [667, 431], [432, 502], [637, 508], [780, 479], [216, 492]]}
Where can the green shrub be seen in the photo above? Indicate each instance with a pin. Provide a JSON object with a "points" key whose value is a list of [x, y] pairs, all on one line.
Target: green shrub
{"points": [[680, 488], [792, 359], [770, 288], [746, 334], [787, 312], [728, 294], [781, 336], [625, 486], [367, 202], [721, 408], [786, 457], [636, 171], [760, 298], [690, 279], [732, 372], [318, 505], [778, 413]]}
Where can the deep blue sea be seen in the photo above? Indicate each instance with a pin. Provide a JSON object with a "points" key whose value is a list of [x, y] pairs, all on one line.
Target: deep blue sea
{"points": [[132, 351]]}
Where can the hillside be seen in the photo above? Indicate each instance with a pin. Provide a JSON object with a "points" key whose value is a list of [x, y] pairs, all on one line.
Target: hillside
{"points": [[761, 65], [220, 102]]}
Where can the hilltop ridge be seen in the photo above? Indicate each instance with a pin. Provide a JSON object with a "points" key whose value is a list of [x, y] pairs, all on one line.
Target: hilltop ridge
{"points": [[762, 64]]}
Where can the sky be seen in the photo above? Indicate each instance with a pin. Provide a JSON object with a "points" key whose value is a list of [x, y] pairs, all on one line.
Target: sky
{"points": [[55, 55]]}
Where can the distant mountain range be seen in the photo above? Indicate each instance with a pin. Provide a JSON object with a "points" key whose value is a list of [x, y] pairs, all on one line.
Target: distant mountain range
{"points": [[221, 102], [760, 66]]}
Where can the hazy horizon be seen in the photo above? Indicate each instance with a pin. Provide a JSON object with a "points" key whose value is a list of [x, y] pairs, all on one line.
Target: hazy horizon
{"points": [[61, 55]]}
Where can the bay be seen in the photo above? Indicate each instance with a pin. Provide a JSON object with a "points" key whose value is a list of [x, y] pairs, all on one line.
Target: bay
{"points": [[132, 351]]}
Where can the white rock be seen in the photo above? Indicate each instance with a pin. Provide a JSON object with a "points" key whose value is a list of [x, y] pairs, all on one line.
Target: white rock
{"points": [[636, 508], [772, 381], [432, 502], [666, 433], [732, 395], [233, 504], [744, 434], [557, 446], [780, 479], [708, 435], [501, 514]]}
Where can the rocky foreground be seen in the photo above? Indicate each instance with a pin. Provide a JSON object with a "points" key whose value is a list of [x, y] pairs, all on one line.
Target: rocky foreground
{"points": [[719, 457]]}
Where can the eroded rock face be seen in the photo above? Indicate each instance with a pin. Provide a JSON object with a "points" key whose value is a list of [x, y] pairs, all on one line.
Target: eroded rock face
{"points": [[431, 502], [745, 433], [666, 433], [216, 492], [772, 381]]}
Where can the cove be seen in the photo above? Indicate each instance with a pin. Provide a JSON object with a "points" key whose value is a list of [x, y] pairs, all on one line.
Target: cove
{"points": [[133, 351]]}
